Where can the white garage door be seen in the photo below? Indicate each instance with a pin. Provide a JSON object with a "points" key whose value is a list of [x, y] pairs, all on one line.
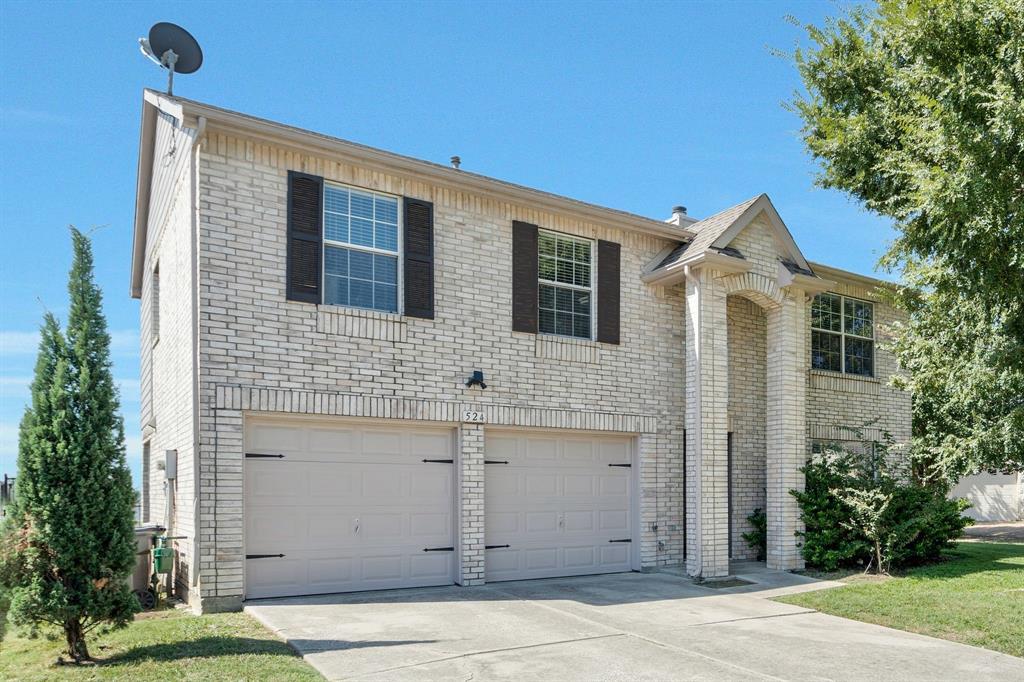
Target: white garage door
{"points": [[993, 497], [557, 504], [346, 508]]}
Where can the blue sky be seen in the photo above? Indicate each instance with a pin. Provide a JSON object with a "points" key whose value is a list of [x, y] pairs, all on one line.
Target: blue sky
{"points": [[634, 106]]}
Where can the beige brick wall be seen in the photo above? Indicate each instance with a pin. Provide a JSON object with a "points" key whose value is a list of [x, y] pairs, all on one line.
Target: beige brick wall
{"points": [[167, 357], [747, 331], [837, 400], [261, 354], [252, 337]]}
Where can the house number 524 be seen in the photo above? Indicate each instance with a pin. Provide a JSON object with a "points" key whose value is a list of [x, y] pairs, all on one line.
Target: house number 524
{"points": [[473, 416]]}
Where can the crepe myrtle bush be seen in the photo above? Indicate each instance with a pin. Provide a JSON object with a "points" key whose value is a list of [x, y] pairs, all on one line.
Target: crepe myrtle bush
{"points": [[862, 508]]}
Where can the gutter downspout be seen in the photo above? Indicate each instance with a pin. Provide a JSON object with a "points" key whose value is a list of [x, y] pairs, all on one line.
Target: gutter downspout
{"points": [[194, 249]]}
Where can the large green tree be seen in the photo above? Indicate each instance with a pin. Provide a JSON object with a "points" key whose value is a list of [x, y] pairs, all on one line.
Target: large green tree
{"points": [[70, 544], [916, 109]]}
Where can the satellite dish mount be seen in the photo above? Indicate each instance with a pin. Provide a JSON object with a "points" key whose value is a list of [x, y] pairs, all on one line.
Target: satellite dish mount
{"points": [[173, 48]]}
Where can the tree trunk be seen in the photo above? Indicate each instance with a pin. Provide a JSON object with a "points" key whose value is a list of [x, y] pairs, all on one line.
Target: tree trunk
{"points": [[878, 557], [76, 640]]}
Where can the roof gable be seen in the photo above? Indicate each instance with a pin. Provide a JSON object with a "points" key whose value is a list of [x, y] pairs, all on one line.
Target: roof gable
{"points": [[750, 210], [715, 234]]}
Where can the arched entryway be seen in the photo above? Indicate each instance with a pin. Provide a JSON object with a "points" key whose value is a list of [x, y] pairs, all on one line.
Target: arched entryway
{"points": [[780, 312]]}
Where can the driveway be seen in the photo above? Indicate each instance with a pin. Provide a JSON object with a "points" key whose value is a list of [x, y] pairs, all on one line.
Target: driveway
{"points": [[1006, 531], [628, 626]]}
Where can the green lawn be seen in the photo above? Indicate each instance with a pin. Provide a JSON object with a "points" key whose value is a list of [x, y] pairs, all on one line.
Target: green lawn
{"points": [[167, 645], [976, 597]]}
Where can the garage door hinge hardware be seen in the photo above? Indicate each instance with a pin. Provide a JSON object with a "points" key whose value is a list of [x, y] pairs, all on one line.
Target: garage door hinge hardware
{"points": [[623, 540], [497, 546], [440, 461], [621, 465], [495, 461], [257, 454], [264, 556], [438, 549]]}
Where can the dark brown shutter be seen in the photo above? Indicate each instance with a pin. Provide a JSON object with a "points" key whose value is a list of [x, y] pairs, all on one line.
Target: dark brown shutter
{"points": [[418, 265], [608, 257], [305, 234], [524, 277]]}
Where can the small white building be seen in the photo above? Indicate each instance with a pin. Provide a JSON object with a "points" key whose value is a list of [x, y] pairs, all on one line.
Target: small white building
{"points": [[993, 496]]}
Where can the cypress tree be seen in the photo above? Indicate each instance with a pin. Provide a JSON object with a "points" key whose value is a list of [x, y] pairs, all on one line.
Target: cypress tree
{"points": [[70, 539]]}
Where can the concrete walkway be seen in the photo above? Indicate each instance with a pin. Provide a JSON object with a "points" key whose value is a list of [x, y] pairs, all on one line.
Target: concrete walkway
{"points": [[628, 626]]}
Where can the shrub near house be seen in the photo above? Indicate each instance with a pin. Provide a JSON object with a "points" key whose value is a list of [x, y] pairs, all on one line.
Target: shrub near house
{"points": [[862, 510]]}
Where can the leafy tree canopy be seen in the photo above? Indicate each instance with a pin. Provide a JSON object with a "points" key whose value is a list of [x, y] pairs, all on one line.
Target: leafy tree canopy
{"points": [[916, 109]]}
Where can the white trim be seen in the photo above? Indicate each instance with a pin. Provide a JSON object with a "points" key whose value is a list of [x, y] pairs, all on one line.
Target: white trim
{"points": [[636, 529], [676, 272]]}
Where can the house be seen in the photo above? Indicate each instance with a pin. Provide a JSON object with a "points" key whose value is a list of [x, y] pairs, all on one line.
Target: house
{"points": [[365, 371]]}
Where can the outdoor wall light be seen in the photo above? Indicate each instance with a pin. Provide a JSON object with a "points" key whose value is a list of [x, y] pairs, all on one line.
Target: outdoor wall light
{"points": [[476, 380]]}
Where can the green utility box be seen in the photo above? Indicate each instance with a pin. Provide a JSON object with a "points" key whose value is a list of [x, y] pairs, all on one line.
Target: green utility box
{"points": [[163, 556]]}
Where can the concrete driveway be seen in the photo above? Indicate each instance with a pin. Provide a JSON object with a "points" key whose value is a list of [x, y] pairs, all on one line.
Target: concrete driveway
{"points": [[628, 626], [1005, 531]]}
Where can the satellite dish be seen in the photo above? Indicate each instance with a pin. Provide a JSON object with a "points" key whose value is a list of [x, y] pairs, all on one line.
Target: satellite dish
{"points": [[173, 48]]}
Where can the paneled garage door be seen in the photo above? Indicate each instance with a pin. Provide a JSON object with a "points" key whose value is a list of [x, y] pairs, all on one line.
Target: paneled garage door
{"points": [[557, 504], [347, 507]]}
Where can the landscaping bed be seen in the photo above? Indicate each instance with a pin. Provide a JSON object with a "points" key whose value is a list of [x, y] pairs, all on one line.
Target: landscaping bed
{"points": [[164, 645], [974, 596]]}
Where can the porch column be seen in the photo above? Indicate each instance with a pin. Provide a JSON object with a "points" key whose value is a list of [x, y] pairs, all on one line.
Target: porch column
{"points": [[786, 432], [707, 403]]}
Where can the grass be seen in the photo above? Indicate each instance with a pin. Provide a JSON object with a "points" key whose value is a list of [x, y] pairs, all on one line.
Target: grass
{"points": [[164, 645], [976, 597]]}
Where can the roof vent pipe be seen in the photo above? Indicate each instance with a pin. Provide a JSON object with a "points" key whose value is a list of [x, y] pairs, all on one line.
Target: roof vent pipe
{"points": [[456, 161], [678, 211]]}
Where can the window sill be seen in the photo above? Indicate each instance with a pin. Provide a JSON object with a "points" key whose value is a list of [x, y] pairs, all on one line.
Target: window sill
{"points": [[360, 323], [567, 349], [845, 383]]}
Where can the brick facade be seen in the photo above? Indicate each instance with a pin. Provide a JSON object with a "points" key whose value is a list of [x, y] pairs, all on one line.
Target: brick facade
{"points": [[721, 353]]}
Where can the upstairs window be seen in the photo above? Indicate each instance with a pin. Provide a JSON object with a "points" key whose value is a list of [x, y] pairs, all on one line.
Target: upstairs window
{"points": [[842, 335], [154, 304], [361, 249], [565, 296]]}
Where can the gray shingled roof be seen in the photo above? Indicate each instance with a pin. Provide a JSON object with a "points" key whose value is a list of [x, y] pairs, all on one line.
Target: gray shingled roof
{"points": [[708, 231]]}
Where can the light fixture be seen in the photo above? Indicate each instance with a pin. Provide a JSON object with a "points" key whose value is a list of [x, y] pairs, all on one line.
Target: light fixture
{"points": [[476, 380]]}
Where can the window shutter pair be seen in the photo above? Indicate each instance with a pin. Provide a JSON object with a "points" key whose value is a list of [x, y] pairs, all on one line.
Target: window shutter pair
{"points": [[525, 285], [304, 268]]}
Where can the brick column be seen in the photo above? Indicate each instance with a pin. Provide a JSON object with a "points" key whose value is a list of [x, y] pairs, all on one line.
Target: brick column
{"points": [[707, 403], [471, 504], [786, 432]]}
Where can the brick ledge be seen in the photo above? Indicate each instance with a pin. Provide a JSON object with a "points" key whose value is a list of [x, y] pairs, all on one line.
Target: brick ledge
{"points": [[256, 399], [364, 324]]}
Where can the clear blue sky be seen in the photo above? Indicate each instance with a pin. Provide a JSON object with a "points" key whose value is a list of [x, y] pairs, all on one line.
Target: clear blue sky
{"points": [[634, 106]]}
